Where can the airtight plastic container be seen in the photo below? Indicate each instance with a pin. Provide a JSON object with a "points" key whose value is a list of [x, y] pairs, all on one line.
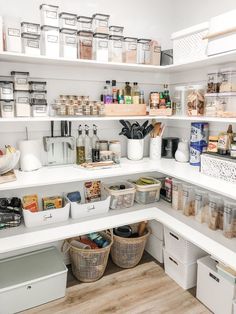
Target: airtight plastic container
{"points": [[149, 193], [49, 15], [68, 43]]}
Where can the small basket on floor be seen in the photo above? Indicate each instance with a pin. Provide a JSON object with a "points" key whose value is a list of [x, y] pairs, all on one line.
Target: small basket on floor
{"points": [[88, 265], [127, 252]]}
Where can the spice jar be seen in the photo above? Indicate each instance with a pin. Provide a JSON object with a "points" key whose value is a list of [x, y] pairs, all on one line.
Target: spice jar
{"points": [[100, 23], [116, 30], [214, 107], [85, 23], [212, 144], [115, 48], [229, 226], [215, 206], [177, 196], [50, 41], [188, 200], [213, 83], [195, 100], [100, 47], [144, 51], [68, 43], [7, 108], [201, 206], [228, 81], [85, 45], [130, 50], [49, 15], [68, 20]]}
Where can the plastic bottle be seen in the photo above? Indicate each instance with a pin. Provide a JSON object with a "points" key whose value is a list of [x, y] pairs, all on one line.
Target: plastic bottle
{"points": [[95, 145], [87, 145], [107, 94], [80, 148]]}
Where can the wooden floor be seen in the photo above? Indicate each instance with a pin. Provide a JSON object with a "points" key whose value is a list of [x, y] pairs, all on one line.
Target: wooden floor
{"points": [[143, 289]]}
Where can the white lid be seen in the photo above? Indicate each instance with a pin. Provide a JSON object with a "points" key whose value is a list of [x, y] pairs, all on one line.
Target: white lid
{"points": [[190, 30]]}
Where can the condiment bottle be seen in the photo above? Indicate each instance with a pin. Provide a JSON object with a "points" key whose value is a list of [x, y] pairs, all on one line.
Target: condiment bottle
{"points": [[128, 93], [114, 92], [80, 148], [107, 94], [95, 145], [135, 93], [120, 96], [87, 145]]}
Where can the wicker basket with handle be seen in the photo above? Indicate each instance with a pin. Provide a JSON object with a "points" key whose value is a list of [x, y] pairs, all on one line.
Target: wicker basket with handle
{"points": [[127, 252], [88, 265]]}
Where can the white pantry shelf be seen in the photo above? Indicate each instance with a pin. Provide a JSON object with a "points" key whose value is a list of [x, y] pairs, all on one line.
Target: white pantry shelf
{"points": [[65, 174], [213, 242]]}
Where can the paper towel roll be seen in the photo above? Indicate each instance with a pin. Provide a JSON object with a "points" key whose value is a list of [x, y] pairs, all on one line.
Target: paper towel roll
{"points": [[30, 158]]}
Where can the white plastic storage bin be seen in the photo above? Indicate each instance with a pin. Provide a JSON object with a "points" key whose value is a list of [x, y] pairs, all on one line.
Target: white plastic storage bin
{"points": [[120, 198], [49, 15], [184, 274], [183, 250], [154, 247], [222, 33], [46, 217], [146, 194], [31, 44], [31, 279], [7, 108], [213, 290], [50, 41], [157, 229], [68, 43], [12, 34], [222, 270], [188, 44], [89, 209]]}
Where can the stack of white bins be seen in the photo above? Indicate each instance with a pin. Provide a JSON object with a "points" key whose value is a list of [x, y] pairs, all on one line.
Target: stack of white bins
{"points": [[155, 242], [180, 259], [215, 288]]}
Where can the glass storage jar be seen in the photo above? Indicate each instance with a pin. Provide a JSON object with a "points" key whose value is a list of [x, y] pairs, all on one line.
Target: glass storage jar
{"points": [[213, 83], [179, 99], [214, 107], [68, 43], [49, 15], [50, 41], [68, 20], [116, 30], [228, 81], [101, 23], [229, 228], [215, 208], [85, 45], [227, 101], [144, 51], [201, 206], [30, 44], [7, 108], [21, 80], [188, 200], [100, 47], [85, 23], [115, 48], [130, 50], [30, 28], [195, 100], [6, 90]]}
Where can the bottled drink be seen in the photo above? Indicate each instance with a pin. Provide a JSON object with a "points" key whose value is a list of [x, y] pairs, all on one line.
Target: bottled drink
{"points": [[166, 96], [136, 93], [114, 92], [80, 149], [120, 96], [107, 94], [95, 145], [128, 93], [87, 145]]}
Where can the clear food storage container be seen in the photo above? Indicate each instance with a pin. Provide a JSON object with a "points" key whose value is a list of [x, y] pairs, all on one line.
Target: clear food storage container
{"points": [[68, 20], [30, 28], [201, 206], [30, 44], [177, 195], [12, 34], [85, 23], [144, 51], [130, 50], [101, 23], [49, 15], [7, 108], [39, 107], [179, 99], [213, 83], [38, 94], [122, 194], [149, 193], [188, 200], [50, 41], [215, 208], [229, 228], [21, 80], [116, 30], [115, 48], [6, 90], [228, 81], [22, 103], [100, 47], [37, 86], [85, 45], [68, 43], [214, 106], [155, 53], [195, 100], [227, 101]]}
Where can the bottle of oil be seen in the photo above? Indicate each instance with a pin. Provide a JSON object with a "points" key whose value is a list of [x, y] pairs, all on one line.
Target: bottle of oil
{"points": [[95, 145], [80, 148], [87, 145]]}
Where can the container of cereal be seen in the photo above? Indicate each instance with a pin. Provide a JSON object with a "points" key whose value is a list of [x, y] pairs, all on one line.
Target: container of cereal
{"points": [[101, 23], [130, 50], [195, 100], [85, 45], [115, 48], [201, 206], [68, 43], [188, 200], [215, 208], [229, 226], [144, 51], [177, 195], [100, 47]]}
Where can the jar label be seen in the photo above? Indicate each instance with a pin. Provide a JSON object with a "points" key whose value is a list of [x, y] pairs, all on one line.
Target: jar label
{"points": [[52, 38], [7, 108], [51, 14], [146, 47], [33, 43], [132, 46], [71, 22], [87, 43], [102, 44], [31, 28], [103, 23], [198, 197], [14, 32], [212, 205], [87, 25], [157, 49], [6, 90], [38, 87], [23, 100], [40, 109], [21, 81], [117, 44], [39, 96], [70, 40], [185, 193]]}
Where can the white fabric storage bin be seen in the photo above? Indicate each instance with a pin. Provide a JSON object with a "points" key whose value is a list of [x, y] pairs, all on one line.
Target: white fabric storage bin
{"points": [[213, 290], [154, 247], [46, 217], [184, 274], [50, 41], [49, 15], [222, 33], [31, 279], [188, 44], [157, 229], [68, 43], [183, 250], [12, 34]]}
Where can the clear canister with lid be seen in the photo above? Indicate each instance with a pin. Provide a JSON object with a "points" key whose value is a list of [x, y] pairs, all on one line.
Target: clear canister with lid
{"points": [[30, 28], [50, 41], [85, 45], [68, 20], [214, 106], [144, 51], [6, 90], [30, 44], [115, 147], [68, 43], [179, 99], [85, 23], [101, 23], [37, 86], [213, 83], [21, 80], [100, 47], [49, 15], [115, 48], [7, 108], [229, 225], [188, 200], [201, 206], [195, 100], [38, 94], [155, 53], [39, 107], [116, 30], [228, 81], [177, 195], [22, 103], [214, 212], [130, 50]]}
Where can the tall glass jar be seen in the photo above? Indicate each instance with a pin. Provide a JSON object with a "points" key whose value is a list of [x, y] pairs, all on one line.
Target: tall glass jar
{"points": [[144, 51], [115, 48], [195, 100], [100, 47], [130, 50], [179, 99], [85, 45]]}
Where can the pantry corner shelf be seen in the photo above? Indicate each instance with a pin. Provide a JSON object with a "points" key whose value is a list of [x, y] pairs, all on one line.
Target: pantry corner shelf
{"points": [[65, 174]]}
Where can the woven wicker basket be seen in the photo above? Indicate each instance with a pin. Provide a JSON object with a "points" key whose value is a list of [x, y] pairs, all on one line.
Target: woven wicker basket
{"points": [[89, 265], [127, 252]]}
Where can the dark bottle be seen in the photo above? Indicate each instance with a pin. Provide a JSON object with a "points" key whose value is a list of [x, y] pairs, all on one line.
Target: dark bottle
{"points": [[95, 145], [80, 147]]}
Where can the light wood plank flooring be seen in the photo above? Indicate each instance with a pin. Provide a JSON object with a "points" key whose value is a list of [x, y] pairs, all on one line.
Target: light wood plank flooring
{"points": [[143, 289]]}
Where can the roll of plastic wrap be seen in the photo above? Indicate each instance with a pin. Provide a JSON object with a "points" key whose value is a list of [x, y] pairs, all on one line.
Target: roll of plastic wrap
{"points": [[30, 158]]}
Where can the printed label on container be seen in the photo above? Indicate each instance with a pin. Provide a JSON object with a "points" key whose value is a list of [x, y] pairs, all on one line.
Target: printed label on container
{"points": [[13, 32], [199, 134], [23, 100], [52, 38], [40, 109], [103, 23], [21, 81], [33, 43], [198, 198], [212, 205], [87, 43], [32, 29], [70, 40], [6, 90], [38, 87], [86, 25], [132, 46], [51, 14], [117, 44], [195, 155], [102, 44], [39, 96], [71, 22], [157, 49], [7, 108], [146, 47]]}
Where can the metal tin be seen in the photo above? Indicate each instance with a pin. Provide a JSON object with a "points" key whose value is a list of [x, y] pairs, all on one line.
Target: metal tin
{"points": [[199, 133]]}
